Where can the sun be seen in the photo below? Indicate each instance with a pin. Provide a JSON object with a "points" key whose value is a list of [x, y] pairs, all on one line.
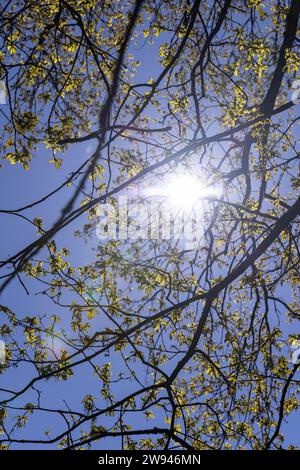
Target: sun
{"points": [[183, 190]]}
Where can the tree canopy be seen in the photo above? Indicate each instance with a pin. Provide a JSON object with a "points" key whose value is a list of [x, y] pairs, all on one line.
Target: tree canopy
{"points": [[147, 343]]}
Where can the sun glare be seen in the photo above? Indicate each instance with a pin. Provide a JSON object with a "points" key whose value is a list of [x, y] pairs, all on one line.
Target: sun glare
{"points": [[183, 190]]}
